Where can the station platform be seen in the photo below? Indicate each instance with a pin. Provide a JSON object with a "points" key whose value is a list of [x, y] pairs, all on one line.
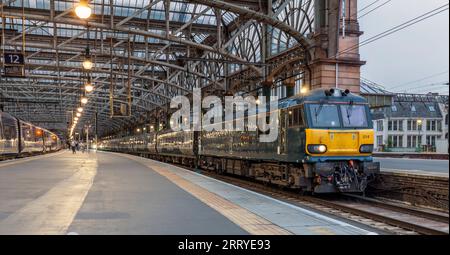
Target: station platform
{"points": [[108, 193], [425, 167]]}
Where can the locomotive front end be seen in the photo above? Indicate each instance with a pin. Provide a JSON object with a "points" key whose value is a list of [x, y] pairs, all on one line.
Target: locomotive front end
{"points": [[339, 144]]}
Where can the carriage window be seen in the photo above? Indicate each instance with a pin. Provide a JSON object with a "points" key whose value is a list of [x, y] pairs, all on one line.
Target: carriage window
{"points": [[9, 129], [9, 132], [354, 115]]}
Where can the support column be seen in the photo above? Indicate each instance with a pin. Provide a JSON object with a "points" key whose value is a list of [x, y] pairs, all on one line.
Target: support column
{"points": [[335, 55]]}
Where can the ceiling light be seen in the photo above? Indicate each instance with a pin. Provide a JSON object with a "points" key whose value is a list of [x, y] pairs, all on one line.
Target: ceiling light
{"points": [[89, 87], [87, 64], [83, 10]]}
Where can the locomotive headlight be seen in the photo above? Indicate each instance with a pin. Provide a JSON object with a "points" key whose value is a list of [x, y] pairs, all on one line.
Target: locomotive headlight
{"points": [[366, 148], [317, 148]]}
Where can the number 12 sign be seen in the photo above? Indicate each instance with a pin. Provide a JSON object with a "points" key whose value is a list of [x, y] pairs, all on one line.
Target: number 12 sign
{"points": [[14, 65]]}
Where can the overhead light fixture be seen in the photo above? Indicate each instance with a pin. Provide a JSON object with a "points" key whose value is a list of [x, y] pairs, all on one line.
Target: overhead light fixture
{"points": [[83, 10], [304, 90], [78, 114], [88, 87], [84, 100], [80, 109], [87, 63], [76, 118]]}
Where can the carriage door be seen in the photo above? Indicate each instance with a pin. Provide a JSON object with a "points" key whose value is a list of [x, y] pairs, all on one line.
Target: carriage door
{"points": [[282, 143]]}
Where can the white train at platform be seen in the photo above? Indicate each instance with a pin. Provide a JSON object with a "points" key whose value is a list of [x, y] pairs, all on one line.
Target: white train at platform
{"points": [[19, 138]]}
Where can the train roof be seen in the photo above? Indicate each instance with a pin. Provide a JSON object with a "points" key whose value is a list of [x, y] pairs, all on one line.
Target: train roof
{"points": [[324, 95]]}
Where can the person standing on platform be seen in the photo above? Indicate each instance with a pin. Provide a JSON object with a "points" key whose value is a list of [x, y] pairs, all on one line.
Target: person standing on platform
{"points": [[73, 145]]}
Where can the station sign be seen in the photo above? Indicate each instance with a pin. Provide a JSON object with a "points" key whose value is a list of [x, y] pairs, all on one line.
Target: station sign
{"points": [[14, 65]]}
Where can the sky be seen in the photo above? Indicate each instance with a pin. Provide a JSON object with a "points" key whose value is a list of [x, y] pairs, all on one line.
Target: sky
{"points": [[414, 60]]}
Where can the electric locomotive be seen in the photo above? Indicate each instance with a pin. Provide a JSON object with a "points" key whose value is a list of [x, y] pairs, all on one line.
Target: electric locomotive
{"points": [[324, 145]]}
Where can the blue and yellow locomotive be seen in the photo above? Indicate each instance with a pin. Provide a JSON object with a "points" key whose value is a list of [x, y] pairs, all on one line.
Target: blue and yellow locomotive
{"points": [[324, 145]]}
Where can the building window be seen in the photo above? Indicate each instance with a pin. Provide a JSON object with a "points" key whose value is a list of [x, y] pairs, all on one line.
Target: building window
{"points": [[380, 125], [380, 140], [413, 108], [412, 141], [431, 140], [395, 141], [395, 125], [431, 108], [432, 125], [412, 125], [394, 108]]}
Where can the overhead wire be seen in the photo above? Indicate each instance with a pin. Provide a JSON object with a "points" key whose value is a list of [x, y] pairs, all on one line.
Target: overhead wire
{"points": [[374, 9], [419, 80], [397, 28]]}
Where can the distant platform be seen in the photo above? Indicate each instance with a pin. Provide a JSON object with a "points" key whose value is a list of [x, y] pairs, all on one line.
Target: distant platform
{"points": [[418, 166], [412, 155], [415, 172], [107, 193]]}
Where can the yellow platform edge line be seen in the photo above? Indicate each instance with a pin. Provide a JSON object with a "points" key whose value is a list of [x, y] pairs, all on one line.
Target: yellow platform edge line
{"points": [[250, 222]]}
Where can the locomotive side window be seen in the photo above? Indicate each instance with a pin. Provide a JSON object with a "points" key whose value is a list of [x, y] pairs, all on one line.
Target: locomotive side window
{"points": [[296, 117]]}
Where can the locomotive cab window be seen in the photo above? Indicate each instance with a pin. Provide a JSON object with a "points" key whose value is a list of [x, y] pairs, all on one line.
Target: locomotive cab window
{"points": [[354, 116], [324, 116]]}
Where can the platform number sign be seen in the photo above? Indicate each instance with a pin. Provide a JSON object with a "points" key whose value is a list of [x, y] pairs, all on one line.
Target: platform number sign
{"points": [[14, 65], [14, 59]]}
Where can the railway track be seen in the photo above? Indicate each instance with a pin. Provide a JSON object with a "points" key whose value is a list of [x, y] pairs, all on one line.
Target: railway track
{"points": [[387, 217]]}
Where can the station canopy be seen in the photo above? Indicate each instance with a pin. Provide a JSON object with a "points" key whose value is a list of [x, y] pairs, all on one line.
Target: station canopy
{"points": [[142, 53]]}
